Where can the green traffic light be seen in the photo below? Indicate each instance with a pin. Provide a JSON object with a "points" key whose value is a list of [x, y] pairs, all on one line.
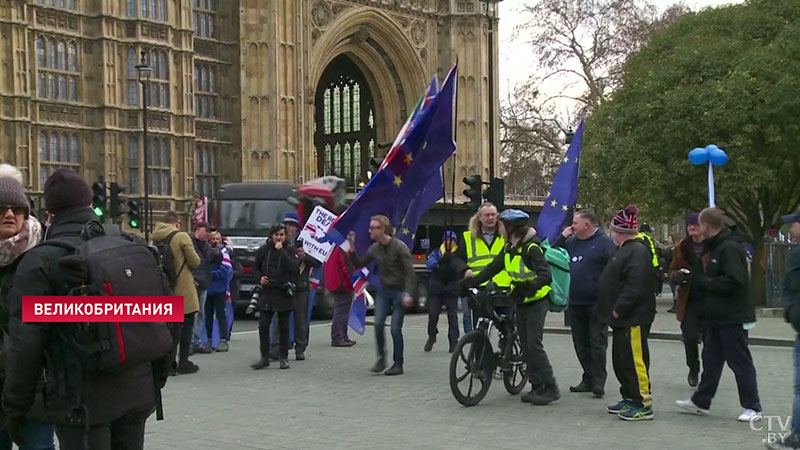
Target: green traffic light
{"points": [[99, 212], [133, 224]]}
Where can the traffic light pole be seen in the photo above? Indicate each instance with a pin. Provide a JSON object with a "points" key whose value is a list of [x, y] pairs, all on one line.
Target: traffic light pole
{"points": [[491, 93], [146, 165]]}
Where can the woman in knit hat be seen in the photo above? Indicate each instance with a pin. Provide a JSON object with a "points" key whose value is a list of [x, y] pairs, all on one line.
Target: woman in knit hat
{"points": [[19, 232]]}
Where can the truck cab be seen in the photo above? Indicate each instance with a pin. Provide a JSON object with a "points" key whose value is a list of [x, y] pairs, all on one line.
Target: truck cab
{"points": [[244, 213]]}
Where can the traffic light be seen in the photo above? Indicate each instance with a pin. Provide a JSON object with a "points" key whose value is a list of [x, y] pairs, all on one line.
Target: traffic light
{"points": [[475, 191], [496, 192], [117, 201], [99, 198], [134, 214]]}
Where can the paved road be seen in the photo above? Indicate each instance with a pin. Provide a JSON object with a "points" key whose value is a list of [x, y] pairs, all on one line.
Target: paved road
{"points": [[332, 401]]}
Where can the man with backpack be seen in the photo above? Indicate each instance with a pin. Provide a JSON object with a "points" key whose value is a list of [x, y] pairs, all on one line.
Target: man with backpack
{"points": [[91, 406], [179, 259], [522, 258], [590, 249]]}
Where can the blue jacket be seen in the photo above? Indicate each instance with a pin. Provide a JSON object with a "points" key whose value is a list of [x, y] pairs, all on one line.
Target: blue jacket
{"points": [[587, 259], [221, 276]]}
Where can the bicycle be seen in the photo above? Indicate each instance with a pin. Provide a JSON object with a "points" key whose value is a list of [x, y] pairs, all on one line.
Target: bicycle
{"points": [[475, 353]]}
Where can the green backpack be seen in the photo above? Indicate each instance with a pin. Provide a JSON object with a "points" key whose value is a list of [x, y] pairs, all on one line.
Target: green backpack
{"points": [[558, 259]]}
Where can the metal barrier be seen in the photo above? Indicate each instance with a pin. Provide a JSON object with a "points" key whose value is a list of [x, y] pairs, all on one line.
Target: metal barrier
{"points": [[776, 257]]}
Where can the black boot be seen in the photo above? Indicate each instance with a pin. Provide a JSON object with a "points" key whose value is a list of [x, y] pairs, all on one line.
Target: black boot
{"points": [[535, 391], [379, 365], [429, 343], [396, 369], [692, 379], [583, 386], [548, 394], [262, 363]]}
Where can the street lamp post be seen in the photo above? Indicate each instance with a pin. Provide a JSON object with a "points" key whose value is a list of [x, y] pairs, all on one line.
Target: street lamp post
{"points": [[143, 72], [491, 15]]}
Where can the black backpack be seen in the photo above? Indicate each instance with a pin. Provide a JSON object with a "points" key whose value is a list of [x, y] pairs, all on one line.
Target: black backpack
{"points": [[104, 265], [167, 259]]}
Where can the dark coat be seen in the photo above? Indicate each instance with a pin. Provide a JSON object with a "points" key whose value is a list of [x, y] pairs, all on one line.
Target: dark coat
{"points": [[305, 266], [683, 257], [587, 259], [725, 283], [626, 286], [790, 296], [29, 348], [280, 266], [447, 270]]}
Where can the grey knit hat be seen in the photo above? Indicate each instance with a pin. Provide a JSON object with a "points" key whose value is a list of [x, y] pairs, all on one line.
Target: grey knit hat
{"points": [[11, 191]]}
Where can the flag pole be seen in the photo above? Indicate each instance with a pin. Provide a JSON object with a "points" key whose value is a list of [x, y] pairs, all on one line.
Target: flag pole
{"points": [[455, 153]]}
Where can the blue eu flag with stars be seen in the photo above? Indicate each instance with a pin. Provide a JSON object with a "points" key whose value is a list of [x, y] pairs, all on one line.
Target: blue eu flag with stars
{"points": [[563, 193]]}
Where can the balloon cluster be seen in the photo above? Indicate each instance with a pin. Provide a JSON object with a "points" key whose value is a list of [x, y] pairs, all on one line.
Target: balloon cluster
{"points": [[713, 154]]}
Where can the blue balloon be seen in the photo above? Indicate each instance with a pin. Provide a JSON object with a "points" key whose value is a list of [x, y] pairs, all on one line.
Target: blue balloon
{"points": [[711, 147], [698, 156], [718, 157]]}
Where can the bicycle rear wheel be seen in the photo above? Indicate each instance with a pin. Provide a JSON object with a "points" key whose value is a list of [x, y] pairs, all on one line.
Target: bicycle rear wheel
{"points": [[474, 355], [516, 377]]}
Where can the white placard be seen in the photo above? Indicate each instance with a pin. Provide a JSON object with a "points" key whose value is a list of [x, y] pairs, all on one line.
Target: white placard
{"points": [[313, 234]]}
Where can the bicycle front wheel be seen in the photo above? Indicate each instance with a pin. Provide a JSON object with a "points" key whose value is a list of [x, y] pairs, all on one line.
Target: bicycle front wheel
{"points": [[471, 369], [516, 377]]}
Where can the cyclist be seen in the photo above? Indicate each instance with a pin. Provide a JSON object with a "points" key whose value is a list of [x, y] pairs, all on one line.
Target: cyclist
{"points": [[522, 258]]}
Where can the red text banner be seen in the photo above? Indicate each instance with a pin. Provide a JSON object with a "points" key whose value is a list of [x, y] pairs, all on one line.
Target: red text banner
{"points": [[102, 309]]}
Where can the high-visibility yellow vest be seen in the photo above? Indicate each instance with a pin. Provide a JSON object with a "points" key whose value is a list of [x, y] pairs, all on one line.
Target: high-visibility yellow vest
{"points": [[649, 241], [518, 271], [479, 255]]}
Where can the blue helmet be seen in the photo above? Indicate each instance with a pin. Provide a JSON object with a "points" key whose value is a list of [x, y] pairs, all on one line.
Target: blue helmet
{"points": [[514, 218], [514, 215]]}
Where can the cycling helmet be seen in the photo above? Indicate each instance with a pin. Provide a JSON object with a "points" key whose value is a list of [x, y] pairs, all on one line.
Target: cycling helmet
{"points": [[514, 218]]}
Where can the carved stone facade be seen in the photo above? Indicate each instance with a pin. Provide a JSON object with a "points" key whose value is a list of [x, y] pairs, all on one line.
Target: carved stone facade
{"points": [[233, 89]]}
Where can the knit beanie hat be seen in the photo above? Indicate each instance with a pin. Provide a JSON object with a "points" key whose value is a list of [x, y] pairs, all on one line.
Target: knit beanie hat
{"points": [[66, 190], [11, 191], [625, 221], [693, 219]]}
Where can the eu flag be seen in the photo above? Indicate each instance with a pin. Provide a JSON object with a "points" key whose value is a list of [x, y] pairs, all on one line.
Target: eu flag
{"points": [[433, 191], [406, 170], [563, 193]]}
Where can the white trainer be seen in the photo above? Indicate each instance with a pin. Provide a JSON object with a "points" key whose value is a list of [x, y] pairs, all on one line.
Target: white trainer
{"points": [[749, 415], [689, 406]]}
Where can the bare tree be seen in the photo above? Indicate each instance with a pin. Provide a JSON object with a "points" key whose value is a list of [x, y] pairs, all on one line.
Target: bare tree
{"points": [[532, 142], [585, 43]]}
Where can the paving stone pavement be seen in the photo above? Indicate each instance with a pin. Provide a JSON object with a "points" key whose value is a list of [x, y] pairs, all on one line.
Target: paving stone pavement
{"points": [[332, 401]]}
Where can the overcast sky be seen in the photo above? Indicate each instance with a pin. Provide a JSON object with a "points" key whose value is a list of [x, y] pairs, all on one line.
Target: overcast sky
{"points": [[515, 60]]}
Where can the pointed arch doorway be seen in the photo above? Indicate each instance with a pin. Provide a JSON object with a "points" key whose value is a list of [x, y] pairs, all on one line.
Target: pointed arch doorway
{"points": [[345, 136]]}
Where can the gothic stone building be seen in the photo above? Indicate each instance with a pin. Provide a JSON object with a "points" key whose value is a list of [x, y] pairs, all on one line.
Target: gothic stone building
{"points": [[240, 89]]}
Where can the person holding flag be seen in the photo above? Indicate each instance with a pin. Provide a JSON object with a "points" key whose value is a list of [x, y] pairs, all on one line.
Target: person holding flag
{"points": [[446, 271], [396, 274], [522, 258]]}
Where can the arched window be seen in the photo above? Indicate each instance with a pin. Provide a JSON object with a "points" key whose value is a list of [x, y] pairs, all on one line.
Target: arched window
{"points": [[62, 56], [41, 54], [343, 131], [43, 146], [73, 57], [74, 151], [62, 146], [51, 54]]}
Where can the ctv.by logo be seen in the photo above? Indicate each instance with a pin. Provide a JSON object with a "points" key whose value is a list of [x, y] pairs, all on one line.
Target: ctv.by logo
{"points": [[777, 427]]}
